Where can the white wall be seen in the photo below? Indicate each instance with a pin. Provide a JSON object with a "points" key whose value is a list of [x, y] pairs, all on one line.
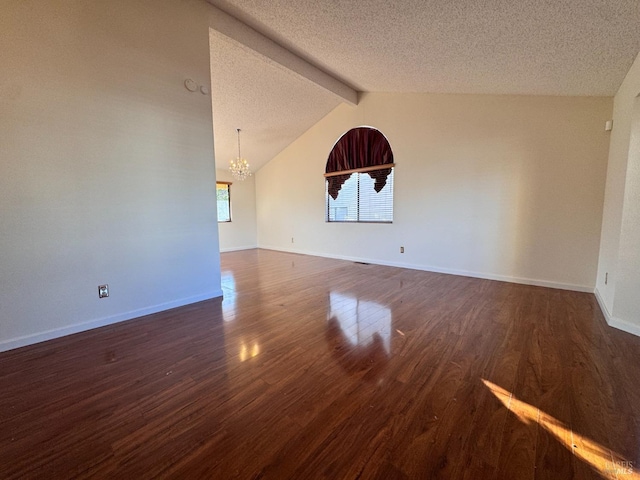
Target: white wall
{"points": [[106, 164], [505, 187], [620, 251], [241, 232]]}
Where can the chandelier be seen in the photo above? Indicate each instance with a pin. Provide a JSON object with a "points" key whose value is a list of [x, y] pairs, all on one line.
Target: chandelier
{"points": [[239, 167]]}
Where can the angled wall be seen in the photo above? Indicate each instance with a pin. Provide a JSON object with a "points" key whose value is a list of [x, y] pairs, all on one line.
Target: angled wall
{"points": [[619, 264]]}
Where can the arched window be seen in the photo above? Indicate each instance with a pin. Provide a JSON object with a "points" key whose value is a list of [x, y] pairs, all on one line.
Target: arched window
{"points": [[359, 178]]}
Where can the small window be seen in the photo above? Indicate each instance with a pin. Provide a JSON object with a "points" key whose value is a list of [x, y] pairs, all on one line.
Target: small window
{"points": [[359, 178], [223, 194]]}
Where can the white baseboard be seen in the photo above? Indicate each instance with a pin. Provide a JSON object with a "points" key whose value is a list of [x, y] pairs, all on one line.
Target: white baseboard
{"points": [[615, 322], [603, 306], [235, 249], [625, 326], [448, 271], [25, 340]]}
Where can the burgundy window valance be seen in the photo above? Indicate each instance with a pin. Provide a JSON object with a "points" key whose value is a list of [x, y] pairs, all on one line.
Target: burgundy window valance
{"points": [[361, 149]]}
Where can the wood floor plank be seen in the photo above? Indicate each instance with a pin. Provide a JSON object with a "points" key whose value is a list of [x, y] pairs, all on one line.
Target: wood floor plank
{"points": [[554, 454], [521, 430], [318, 368]]}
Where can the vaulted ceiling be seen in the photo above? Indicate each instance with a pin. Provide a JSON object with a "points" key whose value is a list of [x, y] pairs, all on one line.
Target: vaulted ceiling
{"points": [[537, 47]]}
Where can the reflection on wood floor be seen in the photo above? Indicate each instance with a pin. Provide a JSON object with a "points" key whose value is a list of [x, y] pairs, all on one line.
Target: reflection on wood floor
{"points": [[320, 368]]}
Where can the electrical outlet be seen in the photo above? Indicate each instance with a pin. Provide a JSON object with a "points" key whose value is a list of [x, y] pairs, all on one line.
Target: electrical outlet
{"points": [[401, 249], [606, 278], [291, 239], [103, 291]]}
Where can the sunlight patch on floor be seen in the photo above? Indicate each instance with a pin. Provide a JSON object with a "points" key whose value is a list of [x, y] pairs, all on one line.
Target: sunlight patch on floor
{"points": [[602, 459]]}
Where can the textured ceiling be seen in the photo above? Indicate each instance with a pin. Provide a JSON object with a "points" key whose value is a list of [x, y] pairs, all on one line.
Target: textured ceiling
{"points": [[554, 47], [270, 105], [539, 47]]}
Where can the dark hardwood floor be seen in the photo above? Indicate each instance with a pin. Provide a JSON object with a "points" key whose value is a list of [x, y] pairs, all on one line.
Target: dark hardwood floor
{"points": [[319, 368]]}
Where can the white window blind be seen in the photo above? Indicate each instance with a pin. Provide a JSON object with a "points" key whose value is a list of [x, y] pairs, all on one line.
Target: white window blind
{"points": [[358, 201]]}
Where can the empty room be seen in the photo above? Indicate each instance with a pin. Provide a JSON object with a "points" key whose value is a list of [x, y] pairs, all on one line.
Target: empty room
{"points": [[335, 239]]}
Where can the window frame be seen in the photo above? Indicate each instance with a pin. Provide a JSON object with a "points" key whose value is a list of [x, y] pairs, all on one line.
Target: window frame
{"points": [[228, 188], [358, 171], [360, 150]]}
